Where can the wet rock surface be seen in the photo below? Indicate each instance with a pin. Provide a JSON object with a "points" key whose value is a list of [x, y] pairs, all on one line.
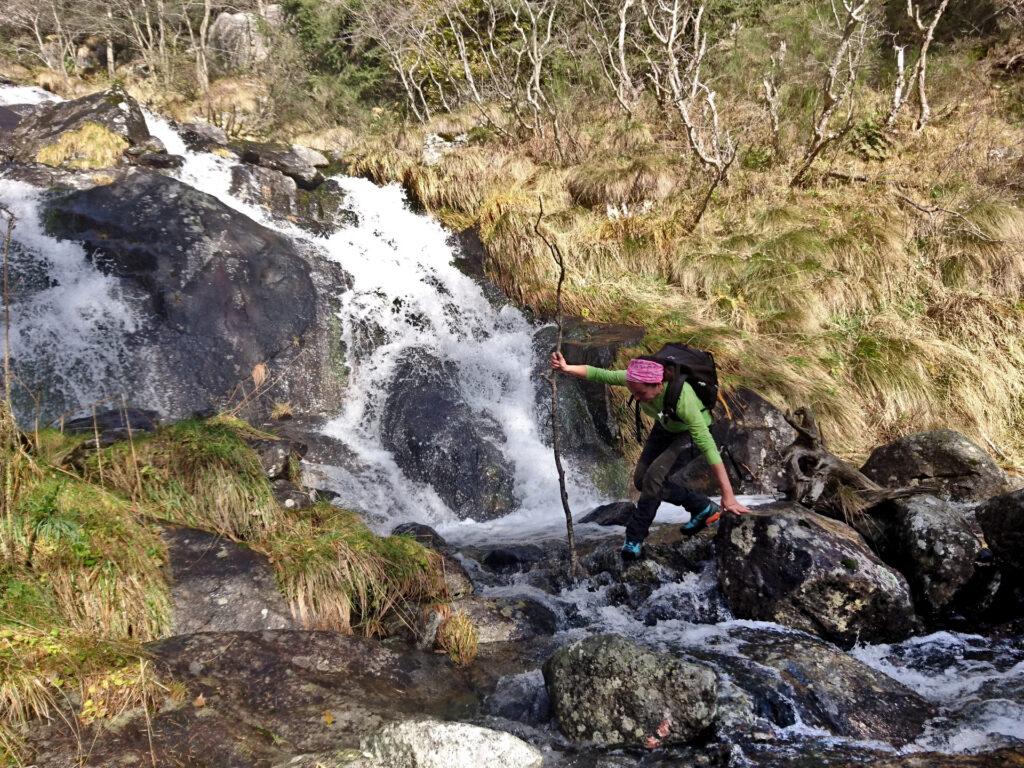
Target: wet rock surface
{"points": [[752, 435], [322, 211], [1002, 520], [218, 585], [283, 159], [608, 690], [944, 459], [615, 513], [791, 678], [268, 696], [217, 293], [811, 573], [436, 439]]}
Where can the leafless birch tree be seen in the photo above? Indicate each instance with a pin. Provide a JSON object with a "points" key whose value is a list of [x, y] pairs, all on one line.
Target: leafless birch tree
{"points": [[919, 72], [610, 31], [851, 23], [770, 84]]}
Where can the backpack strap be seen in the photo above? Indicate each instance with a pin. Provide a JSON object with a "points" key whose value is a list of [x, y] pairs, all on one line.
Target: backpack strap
{"points": [[636, 415]]}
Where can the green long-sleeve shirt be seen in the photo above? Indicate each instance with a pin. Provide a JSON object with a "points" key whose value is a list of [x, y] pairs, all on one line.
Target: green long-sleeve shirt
{"points": [[693, 417]]}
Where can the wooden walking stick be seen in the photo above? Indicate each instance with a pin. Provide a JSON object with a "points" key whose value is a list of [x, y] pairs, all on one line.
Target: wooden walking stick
{"points": [[556, 433]]}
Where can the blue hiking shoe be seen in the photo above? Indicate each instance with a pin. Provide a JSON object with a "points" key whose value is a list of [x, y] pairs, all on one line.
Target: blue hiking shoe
{"points": [[631, 550], [701, 520]]}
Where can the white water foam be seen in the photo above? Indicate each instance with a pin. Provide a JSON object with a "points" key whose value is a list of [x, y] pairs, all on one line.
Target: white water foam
{"points": [[25, 94], [68, 332]]}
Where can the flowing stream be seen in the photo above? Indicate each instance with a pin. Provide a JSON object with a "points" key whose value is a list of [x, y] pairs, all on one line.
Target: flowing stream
{"points": [[68, 332]]}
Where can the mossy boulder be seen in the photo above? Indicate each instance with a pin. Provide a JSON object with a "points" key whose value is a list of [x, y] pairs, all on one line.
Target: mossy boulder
{"points": [[90, 132], [608, 690], [810, 572], [929, 540]]}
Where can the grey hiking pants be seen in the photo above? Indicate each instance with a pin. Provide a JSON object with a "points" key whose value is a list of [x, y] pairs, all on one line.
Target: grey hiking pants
{"points": [[664, 454]]}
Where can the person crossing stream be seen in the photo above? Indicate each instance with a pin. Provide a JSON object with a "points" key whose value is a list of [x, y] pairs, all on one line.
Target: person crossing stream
{"points": [[662, 388]]}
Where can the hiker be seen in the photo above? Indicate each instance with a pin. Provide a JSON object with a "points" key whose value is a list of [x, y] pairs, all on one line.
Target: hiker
{"points": [[668, 447]]}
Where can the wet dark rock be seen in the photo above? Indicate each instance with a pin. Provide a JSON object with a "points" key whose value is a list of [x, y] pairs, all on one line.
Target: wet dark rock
{"points": [[269, 696], [321, 211], [113, 109], [810, 572], [424, 534], [504, 619], [752, 435], [930, 541], [159, 160], [113, 423], [202, 137], [1002, 520], [811, 680], [587, 343], [516, 557], [292, 496], [945, 459], [279, 457], [615, 513], [218, 585], [217, 293], [278, 157], [437, 439], [608, 690], [1012, 757], [521, 697]]}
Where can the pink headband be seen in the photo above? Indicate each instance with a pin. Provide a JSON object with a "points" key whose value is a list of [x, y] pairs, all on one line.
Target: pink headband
{"points": [[645, 371]]}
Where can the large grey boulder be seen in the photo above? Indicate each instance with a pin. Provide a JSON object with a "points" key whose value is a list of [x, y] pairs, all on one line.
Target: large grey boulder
{"points": [[810, 572], [434, 744], [437, 439], [215, 293], [942, 458], [931, 542], [113, 109], [239, 41], [220, 586], [608, 690]]}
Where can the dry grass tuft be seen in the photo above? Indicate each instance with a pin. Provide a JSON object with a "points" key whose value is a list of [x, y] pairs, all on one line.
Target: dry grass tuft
{"points": [[631, 185], [458, 637], [338, 575], [91, 146]]}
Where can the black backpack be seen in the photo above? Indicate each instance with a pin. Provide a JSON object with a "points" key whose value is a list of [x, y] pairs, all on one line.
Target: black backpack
{"points": [[683, 364]]}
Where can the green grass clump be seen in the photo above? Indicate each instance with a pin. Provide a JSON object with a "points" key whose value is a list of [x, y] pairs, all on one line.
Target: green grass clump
{"points": [[199, 473]]}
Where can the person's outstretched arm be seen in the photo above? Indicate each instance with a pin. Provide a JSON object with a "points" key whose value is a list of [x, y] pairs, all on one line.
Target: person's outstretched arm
{"points": [[558, 363]]}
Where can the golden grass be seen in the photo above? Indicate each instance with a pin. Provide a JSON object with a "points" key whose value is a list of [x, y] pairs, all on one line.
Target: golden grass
{"points": [[458, 637], [90, 146], [830, 296], [338, 575]]}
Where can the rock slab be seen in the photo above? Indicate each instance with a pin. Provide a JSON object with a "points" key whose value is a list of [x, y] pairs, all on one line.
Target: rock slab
{"points": [[220, 586], [433, 744]]}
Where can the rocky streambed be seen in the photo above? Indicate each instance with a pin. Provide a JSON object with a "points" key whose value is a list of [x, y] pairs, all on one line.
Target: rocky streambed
{"points": [[783, 638]]}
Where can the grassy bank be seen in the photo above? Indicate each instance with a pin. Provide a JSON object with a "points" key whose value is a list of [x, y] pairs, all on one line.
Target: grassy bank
{"points": [[83, 572], [885, 293]]}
